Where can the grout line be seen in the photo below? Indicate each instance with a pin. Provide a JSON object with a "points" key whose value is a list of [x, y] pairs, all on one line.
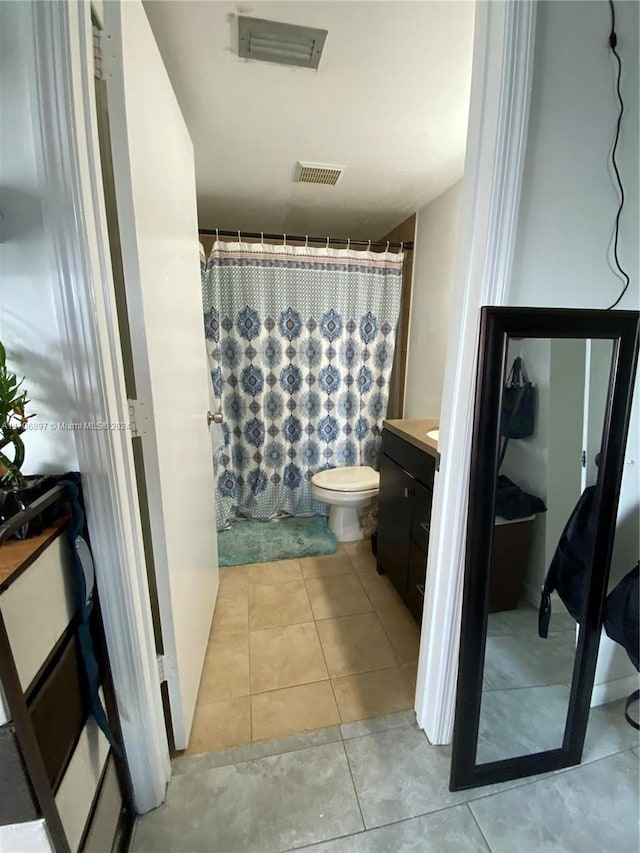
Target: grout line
{"points": [[291, 687], [525, 687], [585, 763], [249, 661], [475, 820], [355, 790], [324, 658], [317, 844], [380, 826], [393, 648]]}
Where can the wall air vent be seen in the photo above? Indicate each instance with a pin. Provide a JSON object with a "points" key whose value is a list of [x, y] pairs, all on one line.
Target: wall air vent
{"points": [[271, 41], [318, 173]]}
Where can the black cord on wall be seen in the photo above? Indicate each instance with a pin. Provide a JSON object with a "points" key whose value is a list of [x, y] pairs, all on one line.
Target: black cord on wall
{"points": [[613, 42]]}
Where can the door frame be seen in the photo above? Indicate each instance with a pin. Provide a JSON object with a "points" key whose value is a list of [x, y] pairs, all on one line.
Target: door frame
{"points": [[73, 200], [503, 56], [69, 152]]}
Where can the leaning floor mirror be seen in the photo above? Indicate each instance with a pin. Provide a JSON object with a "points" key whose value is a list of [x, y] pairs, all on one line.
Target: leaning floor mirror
{"points": [[552, 406]]}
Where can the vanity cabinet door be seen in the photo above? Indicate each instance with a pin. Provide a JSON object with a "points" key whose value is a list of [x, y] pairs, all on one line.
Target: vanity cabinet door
{"points": [[394, 522]]}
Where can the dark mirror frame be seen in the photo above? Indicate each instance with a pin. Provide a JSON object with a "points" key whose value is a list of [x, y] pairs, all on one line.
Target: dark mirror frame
{"points": [[497, 326]]}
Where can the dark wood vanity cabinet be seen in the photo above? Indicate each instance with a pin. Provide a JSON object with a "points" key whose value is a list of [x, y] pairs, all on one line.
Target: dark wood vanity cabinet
{"points": [[394, 521], [404, 517]]}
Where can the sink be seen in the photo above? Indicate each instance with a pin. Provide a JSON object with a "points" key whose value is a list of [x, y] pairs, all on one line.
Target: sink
{"points": [[434, 434]]}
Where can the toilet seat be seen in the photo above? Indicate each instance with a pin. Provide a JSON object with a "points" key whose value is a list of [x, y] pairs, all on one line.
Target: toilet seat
{"points": [[355, 478]]}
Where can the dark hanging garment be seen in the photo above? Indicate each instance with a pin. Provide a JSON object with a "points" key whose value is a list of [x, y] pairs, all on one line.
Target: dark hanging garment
{"points": [[512, 502], [568, 570], [517, 418], [621, 616], [622, 624]]}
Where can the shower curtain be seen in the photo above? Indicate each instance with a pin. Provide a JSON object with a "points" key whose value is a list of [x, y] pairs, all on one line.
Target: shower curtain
{"points": [[300, 344]]}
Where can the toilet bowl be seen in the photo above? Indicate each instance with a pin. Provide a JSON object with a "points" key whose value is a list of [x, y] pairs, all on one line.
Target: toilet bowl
{"points": [[346, 491]]}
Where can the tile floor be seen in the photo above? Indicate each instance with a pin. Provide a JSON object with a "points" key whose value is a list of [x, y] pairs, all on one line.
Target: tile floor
{"points": [[298, 645], [523, 671], [378, 786]]}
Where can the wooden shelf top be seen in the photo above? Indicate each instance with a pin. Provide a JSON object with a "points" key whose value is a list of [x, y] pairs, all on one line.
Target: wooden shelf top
{"points": [[17, 554]]}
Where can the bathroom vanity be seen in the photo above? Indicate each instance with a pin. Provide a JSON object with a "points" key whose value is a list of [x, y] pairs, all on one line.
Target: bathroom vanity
{"points": [[407, 468]]}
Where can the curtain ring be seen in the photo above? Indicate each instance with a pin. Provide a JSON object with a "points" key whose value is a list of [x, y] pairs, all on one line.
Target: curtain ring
{"points": [[262, 237], [401, 247], [306, 241], [387, 246], [216, 235], [369, 246], [348, 243], [239, 238], [284, 239], [327, 242]]}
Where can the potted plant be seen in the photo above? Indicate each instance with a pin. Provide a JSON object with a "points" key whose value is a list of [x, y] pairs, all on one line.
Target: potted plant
{"points": [[16, 490]]}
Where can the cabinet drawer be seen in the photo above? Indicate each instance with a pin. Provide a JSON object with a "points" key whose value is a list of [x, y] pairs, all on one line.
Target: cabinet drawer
{"points": [[416, 582], [37, 608], [59, 711], [80, 782], [419, 463], [421, 517], [104, 821]]}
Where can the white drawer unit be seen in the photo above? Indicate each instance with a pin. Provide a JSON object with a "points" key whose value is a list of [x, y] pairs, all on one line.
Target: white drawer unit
{"points": [[41, 596], [62, 788]]}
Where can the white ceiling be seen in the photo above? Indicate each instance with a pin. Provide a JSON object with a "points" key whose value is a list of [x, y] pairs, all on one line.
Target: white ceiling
{"points": [[389, 103]]}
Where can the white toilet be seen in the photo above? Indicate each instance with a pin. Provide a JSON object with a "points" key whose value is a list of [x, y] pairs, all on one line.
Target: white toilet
{"points": [[346, 490]]}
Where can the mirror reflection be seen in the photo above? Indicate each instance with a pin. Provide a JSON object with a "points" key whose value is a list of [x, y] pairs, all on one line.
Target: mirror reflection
{"points": [[552, 416]]}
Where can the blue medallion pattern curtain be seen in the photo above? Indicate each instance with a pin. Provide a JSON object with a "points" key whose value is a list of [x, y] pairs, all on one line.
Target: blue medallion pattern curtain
{"points": [[300, 344]]}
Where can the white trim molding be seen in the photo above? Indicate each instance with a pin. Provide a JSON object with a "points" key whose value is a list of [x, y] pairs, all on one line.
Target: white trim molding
{"points": [[611, 691], [65, 111], [498, 118]]}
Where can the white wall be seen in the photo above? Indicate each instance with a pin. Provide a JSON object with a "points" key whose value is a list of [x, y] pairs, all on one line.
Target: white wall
{"points": [[569, 203], [526, 460], [436, 246], [547, 464], [28, 325]]}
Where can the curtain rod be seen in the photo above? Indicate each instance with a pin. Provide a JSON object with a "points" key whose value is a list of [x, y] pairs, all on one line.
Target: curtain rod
{"points": [[306, 239]]}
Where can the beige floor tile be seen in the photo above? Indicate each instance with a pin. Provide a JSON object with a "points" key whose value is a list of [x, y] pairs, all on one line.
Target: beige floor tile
{"points": [[331, 564], [338, 595], [284, 657], [219, 725], [364, 563], [226, 668], [294, 710], [230, 616], [359, 547], [280, 571], [372, 694], [234, 581], [380, 590], [273, 605], [411, 669], [402, 631], [355, 644]]}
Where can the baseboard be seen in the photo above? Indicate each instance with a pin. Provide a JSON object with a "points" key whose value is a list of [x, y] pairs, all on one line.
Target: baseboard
{"points": [[610, 691], [531, 594]]}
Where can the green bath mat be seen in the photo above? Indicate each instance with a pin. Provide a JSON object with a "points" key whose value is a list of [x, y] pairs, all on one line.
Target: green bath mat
{"points": [[265, 541]]}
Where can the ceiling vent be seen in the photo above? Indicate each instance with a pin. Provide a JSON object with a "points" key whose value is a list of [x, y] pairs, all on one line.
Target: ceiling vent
{"points": [[271, 41], [318, 173]]}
